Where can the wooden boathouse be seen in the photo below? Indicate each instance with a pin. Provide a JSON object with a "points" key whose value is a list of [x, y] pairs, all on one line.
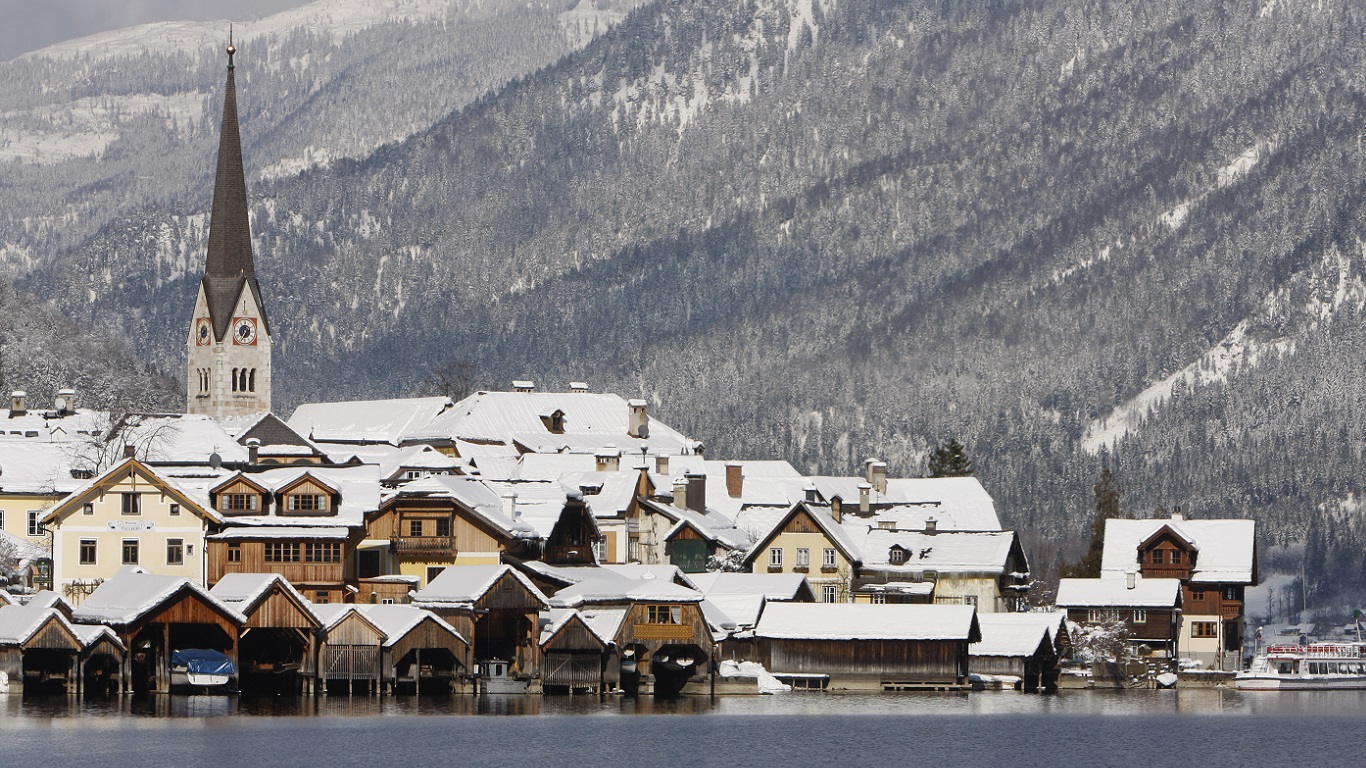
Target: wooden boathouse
{"points": [[867, 647], [279, 640]]}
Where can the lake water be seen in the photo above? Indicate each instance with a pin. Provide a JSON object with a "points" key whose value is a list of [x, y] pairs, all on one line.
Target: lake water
{"points": [[1189, 727]]}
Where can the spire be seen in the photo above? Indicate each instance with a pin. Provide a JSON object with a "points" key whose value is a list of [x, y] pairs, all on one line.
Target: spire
{"points": [[229, 267]]}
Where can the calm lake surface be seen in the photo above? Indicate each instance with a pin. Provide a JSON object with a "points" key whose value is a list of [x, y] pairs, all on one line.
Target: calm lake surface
{"points": [[1190, 727]]}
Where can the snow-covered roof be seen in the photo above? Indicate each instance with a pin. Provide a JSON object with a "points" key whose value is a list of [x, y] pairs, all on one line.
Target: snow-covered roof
{"points": [[554, 620], [393, 460], [244, 590], [912, 588], [332, 614], [253, 532], [956, 503], [610, 493], [1014, 640], [1115, 593], [1226, 549], [132, 593], [737, 610], [713, 526], [179, 480], [774, 586], [947, 552], [41, 468], [38, 425], [396, 621], [485, 500], [853, 621], [819, 513], [358, 486], [18, 623], [591, 422], [89, 634], [177, 438], [1053, 621], [46, 598], [25, 551], [366, 421], [605, 588], [465, 584]]}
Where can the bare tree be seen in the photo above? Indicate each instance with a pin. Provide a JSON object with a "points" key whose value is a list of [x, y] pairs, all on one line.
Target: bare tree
{"points": [[453, 378]]}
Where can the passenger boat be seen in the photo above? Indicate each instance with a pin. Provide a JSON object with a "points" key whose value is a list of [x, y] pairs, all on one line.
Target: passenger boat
{"points": [[494, 677], [201, 668], [1317, 667]]}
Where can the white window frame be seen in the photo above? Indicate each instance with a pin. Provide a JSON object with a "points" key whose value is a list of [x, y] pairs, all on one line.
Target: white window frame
{"points": [[830, 593], [803, 557], [775, 557], [35, 522], [1140, 616], [828, 559]]}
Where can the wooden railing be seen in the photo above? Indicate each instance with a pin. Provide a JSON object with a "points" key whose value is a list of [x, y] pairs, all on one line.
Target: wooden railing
{"points": [[423, 545]]}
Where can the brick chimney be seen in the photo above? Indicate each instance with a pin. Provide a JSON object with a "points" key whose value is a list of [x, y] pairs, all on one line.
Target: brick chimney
{"points": [[735, 479]]}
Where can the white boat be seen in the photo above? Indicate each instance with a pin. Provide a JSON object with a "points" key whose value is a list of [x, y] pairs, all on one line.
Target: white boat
{"points": [[201, 668], [1317, 667], [494, 677]]}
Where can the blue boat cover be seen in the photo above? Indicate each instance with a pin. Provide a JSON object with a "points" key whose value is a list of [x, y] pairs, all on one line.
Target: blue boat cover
{"points": [[202, 661]]}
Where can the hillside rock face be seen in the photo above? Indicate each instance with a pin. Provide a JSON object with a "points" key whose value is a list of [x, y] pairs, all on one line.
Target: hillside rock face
{"points": [[1065, 233]]}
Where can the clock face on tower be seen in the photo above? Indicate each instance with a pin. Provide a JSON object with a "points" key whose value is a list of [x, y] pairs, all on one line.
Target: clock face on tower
{"points": [[244, 331], [203, 334]]}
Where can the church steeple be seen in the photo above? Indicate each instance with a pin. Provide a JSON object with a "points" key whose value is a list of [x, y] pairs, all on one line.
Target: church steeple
{"points": [[229, 342], [230, 266]]}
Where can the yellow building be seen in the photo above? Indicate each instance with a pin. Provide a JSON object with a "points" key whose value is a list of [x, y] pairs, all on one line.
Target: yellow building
{"points": [[129, 515], [808, 541]]}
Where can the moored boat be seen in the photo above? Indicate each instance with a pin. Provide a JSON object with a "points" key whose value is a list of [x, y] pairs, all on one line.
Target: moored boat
{"points": [[1316, 667], [201, 668]]}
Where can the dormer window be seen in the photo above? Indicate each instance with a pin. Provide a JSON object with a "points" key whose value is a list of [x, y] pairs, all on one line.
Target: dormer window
{"points": [[238, 502], [1156, 557], [554, 421], [306, 502], [1176, 557], [897, 556]]}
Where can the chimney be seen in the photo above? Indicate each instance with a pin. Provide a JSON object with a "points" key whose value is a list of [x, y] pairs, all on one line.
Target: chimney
{"points": [[837, 508], [1176, 515], [931, 526], [890, 525], [864, 498], [18, 403], [812, 493], [129, 451], [735, 479], [877, 472], [662, 465], [680, 493], [639, 423], [253, 451], [523, 386], [868, 468], [1130, 580], [578, 386], [510, 506], [697, 492], [609, 458], [65, 404]]}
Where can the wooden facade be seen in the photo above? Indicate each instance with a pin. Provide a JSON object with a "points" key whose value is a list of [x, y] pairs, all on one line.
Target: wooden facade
{"points": [[351, 651], [48, 659], [575, 658], [321, 582], [279, 642], [890, 663], [502, 623], [1156, 628]]}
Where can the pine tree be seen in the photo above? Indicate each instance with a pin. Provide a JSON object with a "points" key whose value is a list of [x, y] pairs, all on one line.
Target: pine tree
{"points": [[950, 460], [1107, 493]]}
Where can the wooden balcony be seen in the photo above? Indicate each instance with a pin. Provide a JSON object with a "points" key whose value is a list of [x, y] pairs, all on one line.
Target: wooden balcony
{"points": [[442, 546], [1231, 609]]}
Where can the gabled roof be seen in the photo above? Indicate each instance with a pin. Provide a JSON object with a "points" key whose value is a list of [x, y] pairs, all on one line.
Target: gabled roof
{"points": [[476, 496], [276, 437], [396, 621], [191, 501], [132, 593], [358, 486], [366, 421], [246, 592], [306, 477], [1013, 640], [467, 584], [19, 623], [616, 589], [175, 438], [556, 619], [947, 552], [38, 467], [1227, 547], [854, 621], [712, 526], [956, 503], [332, 614], [773, 586], [821, 515], [239, 477], [1115, 593]]}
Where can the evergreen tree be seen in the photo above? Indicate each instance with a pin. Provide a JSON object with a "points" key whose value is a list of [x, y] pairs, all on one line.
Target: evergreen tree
{"points": [[950, 460], [1107, 493]]}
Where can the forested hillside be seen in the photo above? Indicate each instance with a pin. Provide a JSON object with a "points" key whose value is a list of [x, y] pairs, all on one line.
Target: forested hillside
{"points": [[1065, 232]]}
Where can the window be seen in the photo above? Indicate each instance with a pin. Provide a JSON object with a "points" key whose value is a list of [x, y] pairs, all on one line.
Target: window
{"points": [[2, 519], [803, 557], [1197, 594], [1103, 614], [130, 551], [1140, 616], [877, 598], [828, 558], [633, 550], [132, 504], [1230, 593], [35, 522], [387, 601], [175, 510], [1176, 557], [414, 527], [1156, 557], [306, 502], [1204, 629], [412, 474], [599, 549], [664, 614], [443, 526], [970, 600], [282, 552], [234, 553], [830, 593], [322, 552], [321, 598], [87, 551], [88, 508], [237, 502], [175, 551], [433, 571], [775, 557], [897, 556]]}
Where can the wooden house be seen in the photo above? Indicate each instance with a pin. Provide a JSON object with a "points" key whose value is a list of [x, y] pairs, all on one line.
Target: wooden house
{"points": [[1022, 650], [868, 647], [279, 640], [497, 608], [155, 615], [1148, 610], [39, 650], [1215, 560], [420, 650], [351, 652], [577, 655]]}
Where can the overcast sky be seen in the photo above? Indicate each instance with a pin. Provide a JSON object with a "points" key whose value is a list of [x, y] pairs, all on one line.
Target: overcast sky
{"points": [[27, 25]]}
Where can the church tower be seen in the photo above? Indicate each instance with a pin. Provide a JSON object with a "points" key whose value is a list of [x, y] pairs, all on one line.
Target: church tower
{"points": [[229, 342]]}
